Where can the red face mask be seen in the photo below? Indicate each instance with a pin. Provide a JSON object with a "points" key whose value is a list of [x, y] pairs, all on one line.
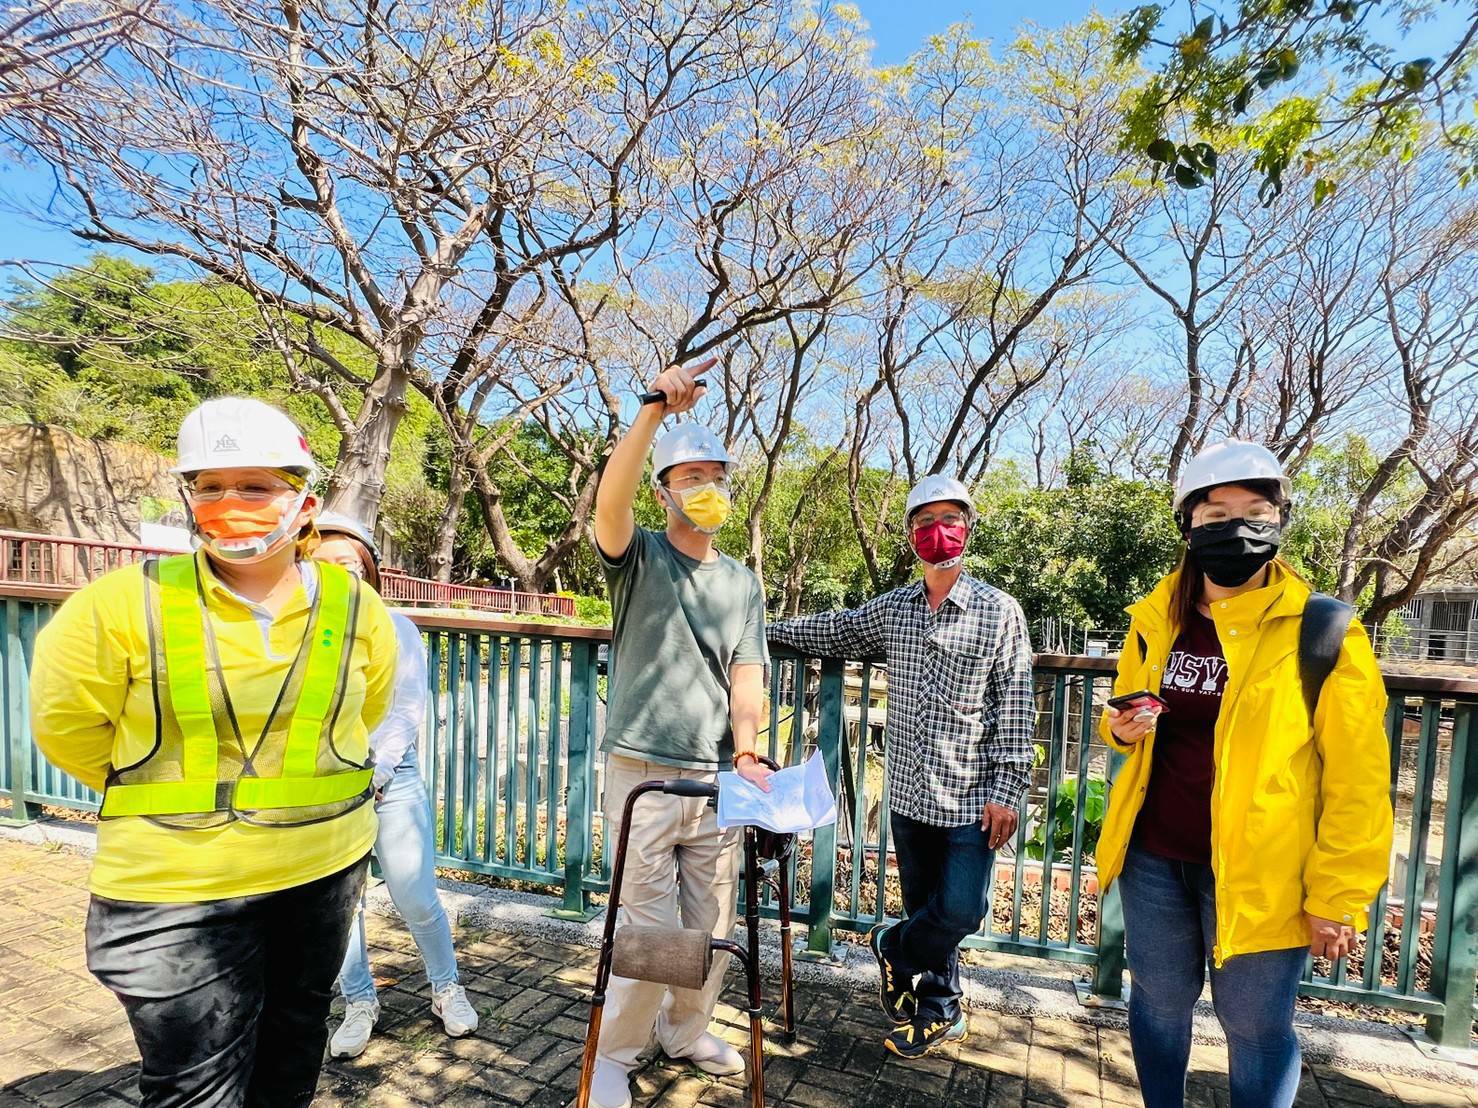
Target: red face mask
{"points": [[940, 544]]}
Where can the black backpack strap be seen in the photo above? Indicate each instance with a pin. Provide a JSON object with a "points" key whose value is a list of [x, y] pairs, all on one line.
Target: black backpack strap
{"points": [[1320, 637]]}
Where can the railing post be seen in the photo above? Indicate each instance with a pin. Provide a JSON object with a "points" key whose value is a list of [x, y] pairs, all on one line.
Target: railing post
{"points": [[1108, 970], [1455, 961], [578, 774], [15, 693], [1107, 987], [823, 842]]}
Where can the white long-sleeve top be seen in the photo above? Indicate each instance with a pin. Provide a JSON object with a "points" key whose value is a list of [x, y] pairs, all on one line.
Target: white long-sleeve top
{"points": [[397, 733]]}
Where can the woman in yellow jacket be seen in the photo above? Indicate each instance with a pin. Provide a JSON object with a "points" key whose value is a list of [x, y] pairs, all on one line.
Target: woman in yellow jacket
{"points": [[221, 702], [1243, 833]]}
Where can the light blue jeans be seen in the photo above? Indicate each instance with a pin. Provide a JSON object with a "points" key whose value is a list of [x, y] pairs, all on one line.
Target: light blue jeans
{"points": [[405, 847]]}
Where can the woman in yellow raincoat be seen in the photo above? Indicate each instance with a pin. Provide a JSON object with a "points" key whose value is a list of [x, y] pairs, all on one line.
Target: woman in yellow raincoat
{"points": [[1244, 831]]}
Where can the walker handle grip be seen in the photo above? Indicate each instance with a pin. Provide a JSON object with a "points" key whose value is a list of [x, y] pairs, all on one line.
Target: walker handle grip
{"points": [[686, 786]]}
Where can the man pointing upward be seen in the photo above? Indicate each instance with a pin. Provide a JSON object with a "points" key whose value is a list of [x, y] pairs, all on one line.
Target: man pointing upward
{"points": [[686, 698]]}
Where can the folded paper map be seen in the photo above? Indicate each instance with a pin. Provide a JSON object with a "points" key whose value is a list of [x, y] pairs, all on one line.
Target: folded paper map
{"points": [[799, 799]]}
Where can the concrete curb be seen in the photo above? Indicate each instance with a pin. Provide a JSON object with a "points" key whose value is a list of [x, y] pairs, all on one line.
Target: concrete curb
{"points": [[1019, 990], [78, 837]]}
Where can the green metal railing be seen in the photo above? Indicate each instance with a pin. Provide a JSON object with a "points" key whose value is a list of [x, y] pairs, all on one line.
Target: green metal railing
{"points": [[510, 758]]}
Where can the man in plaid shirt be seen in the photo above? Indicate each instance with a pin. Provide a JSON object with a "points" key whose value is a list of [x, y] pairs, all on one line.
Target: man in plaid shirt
{"points": [[960, 728]]}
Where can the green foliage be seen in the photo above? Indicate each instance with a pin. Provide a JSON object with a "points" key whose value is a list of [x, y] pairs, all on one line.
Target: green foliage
{"points": [[108, 351], [594, 610], [1228, 72], [1079, 554], [114, 354], [810, 554], [1324, 491], [1277, 137], [528, 476], [1095, 804]]}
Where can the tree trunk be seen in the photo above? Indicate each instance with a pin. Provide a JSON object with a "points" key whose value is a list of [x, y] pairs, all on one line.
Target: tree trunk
{"points": [[358, 480], [1195, 389], [795, 583], [444, 550], [756, 559], [532, 574]]}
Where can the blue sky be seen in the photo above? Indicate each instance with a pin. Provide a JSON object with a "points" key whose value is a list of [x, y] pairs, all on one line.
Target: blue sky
{"points": [[897, 28]]}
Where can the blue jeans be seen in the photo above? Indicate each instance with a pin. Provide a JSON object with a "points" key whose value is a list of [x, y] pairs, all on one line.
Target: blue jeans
{"points": [[405, 847], [1170, 929], [945, 874]]}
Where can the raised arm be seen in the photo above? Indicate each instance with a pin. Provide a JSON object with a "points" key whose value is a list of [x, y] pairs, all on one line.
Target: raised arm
{"points": [[615, 521]]}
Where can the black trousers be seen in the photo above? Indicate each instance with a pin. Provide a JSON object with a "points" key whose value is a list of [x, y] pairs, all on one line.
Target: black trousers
{"points": [[228, 999]]}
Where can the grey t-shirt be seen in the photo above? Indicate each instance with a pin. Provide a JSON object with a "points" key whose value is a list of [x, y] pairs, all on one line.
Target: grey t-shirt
{"points": [[678, 625]]}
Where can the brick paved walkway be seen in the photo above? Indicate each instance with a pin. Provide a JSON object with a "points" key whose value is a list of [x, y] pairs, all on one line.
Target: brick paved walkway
{"points": [[64, 1041]]}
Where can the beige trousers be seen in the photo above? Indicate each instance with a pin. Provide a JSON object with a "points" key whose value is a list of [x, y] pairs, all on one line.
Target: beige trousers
{"points": [[681, 870]]}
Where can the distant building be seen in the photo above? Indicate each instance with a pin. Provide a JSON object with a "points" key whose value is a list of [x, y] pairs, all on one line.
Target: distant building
{"points": [[1439, 624]]}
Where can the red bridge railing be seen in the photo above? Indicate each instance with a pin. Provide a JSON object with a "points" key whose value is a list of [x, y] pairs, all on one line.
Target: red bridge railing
{"points": [[60, 560], [405, 589], [72, 562]]}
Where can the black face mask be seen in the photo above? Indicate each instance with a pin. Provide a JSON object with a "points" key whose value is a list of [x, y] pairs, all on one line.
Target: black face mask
{"points": [[1232, 555]]}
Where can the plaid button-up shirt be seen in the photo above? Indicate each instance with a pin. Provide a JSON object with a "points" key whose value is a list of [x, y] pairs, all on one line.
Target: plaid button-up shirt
{"points": [[961, 709]]}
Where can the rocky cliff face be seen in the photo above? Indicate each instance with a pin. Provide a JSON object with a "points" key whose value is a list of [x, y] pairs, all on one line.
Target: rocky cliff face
{"points": [[56, 483]]}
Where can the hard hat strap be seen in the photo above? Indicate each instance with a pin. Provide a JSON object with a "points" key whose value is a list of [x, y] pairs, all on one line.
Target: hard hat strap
{"points": [[254, 549]]}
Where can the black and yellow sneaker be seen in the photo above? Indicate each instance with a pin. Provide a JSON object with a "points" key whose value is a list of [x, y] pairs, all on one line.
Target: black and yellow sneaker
{"points": [[916, 1039], [895, 991]]}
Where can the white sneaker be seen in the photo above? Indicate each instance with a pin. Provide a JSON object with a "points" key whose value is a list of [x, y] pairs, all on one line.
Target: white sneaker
{"points": [[714, 1056], [457, 1014], [610, 1086], [354, 1033]]}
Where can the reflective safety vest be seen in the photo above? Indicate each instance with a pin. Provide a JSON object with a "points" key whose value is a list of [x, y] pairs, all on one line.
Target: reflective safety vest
{"points": [[201, 771]]}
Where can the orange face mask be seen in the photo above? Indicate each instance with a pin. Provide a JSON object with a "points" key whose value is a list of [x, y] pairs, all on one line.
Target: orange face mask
{"points": [[242, 531], [230, 518]]}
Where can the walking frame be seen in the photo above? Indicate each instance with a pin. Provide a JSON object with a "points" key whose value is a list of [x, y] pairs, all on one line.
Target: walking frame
{"points": [[682, 957]]}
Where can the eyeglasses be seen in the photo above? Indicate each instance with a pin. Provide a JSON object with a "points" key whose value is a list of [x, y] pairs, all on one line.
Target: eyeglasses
{"points": [[1214, 517], [692, 481], [949, 519], [253, 492], [352, 564]]}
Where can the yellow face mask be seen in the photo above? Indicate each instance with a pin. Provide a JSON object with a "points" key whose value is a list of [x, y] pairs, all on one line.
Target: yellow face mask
{"points": [[706, 506]]}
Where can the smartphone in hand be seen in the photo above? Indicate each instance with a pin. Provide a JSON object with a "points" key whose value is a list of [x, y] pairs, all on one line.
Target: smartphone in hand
{"points": [[1140, 703]]}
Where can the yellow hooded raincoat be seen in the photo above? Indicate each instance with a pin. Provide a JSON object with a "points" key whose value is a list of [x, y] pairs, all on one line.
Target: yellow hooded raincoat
{"points": [[1300, 815]]}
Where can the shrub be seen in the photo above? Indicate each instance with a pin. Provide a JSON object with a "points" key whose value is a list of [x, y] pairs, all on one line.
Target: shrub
{"points": [[594, 610], [1095, 804]]}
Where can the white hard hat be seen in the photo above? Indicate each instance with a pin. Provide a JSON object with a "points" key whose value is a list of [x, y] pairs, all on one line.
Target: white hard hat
{"points": [[934, 488], [236, 432], [1232, 462], [334, 523], [687, 442]]}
